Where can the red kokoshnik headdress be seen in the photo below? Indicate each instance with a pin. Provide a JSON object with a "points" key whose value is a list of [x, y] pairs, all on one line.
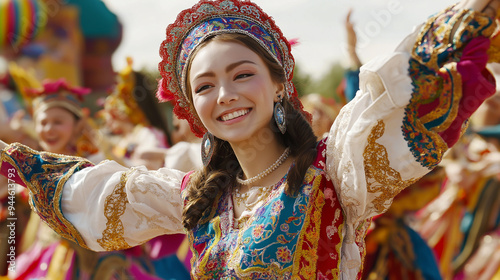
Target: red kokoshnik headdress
{"points": [[208, 18]]}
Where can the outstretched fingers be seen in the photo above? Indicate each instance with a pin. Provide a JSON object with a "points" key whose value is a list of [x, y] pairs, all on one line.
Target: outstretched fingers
{"points": [[489, 7], [2, 145]]}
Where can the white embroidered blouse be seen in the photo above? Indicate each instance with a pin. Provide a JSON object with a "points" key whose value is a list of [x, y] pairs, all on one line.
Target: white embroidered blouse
{"points": [[109, 206]]}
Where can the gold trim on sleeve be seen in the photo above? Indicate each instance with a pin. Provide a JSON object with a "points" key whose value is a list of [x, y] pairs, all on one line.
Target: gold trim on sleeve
{"points": [[381, 179], [114, 207]]}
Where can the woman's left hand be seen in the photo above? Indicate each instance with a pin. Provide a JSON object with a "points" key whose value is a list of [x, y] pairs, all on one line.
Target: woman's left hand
{"points": [[489, 7], [2, 145]]}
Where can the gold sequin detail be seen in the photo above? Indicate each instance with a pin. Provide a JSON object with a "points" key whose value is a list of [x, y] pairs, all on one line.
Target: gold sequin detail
{"points": [[465, 17], [305, 260], [494, 54], [444, 108], [114, 207], [380, 177]]}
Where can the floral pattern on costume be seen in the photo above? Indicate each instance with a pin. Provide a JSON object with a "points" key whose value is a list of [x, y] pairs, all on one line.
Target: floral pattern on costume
{"points": [[287, 237], [322, 228], [44, 174]]}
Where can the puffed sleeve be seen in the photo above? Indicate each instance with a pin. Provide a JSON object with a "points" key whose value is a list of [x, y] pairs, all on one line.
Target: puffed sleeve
{"points": [[411, 107], [101, 207]]}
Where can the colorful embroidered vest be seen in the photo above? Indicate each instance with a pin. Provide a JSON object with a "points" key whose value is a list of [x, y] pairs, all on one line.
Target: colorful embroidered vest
{"points": [[287, 237]]}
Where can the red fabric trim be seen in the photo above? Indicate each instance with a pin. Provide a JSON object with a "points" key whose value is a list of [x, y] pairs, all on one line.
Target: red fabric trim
{"points": [[10, 173], [185, 180], [477, 85]]}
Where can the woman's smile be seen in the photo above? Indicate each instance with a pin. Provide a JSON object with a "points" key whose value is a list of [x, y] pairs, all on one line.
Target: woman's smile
{"points": [[235, 115]]}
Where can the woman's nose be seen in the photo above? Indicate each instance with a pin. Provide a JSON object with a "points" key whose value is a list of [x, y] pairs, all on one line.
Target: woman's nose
{"points": [[48, 127], [227, 95]]}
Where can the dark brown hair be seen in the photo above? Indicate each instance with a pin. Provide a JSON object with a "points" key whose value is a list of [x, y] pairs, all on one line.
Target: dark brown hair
{"points": [[208, 184]]}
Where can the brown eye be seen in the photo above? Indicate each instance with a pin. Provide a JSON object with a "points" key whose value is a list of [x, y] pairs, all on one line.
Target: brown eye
{"points": [[245, 75], [202, 88]]}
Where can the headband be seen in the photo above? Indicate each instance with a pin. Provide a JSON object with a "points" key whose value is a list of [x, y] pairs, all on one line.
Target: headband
{"points": [[58, 93], [206, 19]]}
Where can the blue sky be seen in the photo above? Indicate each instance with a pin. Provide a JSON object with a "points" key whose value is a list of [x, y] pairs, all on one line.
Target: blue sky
{"points": [[318, 25]]}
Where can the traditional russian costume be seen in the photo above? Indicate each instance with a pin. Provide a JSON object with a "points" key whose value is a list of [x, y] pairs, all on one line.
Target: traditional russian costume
{"points": [[412, 106]]}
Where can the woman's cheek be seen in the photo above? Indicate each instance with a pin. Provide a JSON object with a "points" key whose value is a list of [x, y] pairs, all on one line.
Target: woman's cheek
{"points": [[38, 129], [202, 107]]}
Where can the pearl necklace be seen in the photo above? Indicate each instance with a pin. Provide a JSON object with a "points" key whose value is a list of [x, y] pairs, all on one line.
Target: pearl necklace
{"points": [[262, 192], [266, 172]]}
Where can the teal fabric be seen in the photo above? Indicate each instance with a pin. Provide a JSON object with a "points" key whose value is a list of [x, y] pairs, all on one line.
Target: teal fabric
{"points": [[424, 256], [171, 268], [490, 131]]}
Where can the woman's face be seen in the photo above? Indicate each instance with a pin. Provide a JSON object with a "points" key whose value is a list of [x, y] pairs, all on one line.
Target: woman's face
{"points": [[233, 92], [56, 128], [181, 131]]}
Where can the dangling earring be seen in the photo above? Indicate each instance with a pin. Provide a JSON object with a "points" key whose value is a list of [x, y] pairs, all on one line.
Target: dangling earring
{"points": [[279, 116], [207, 148]]}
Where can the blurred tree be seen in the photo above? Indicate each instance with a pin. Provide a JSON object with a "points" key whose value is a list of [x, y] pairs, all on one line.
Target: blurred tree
{"points": [[325, 85]]}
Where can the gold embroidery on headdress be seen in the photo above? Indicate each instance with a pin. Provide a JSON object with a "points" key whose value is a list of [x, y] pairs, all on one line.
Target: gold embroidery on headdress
{"points": [[122, 100]]}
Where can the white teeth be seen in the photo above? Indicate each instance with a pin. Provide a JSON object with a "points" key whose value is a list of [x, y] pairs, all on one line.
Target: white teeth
{"points": [[234, 115]]}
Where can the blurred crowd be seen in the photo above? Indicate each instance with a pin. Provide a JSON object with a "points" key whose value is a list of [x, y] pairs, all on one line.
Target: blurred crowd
{"points": [[60, 94]]}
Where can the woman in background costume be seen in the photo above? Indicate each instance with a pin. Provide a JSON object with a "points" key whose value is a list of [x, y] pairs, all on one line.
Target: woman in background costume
{"points": [[132, 119], [60, 124]]}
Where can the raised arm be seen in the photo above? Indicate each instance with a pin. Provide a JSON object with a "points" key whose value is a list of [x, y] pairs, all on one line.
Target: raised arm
{"points": [[413, 106], [101, 207], [351, 74], [352, 40], [3, 145]]}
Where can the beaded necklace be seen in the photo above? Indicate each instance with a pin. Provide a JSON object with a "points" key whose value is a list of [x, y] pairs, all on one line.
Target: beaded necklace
{"points": [[262, 192], [266, 172]]}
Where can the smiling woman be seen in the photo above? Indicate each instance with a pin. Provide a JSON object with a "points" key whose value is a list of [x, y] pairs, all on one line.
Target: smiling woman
{"points": [[235, 104], [56, 128], [271, 202], [60, 121]]}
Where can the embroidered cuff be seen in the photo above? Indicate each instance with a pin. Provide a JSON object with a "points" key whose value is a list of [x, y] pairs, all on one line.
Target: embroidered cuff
{"points": [[44, 174], [438, 110]]}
